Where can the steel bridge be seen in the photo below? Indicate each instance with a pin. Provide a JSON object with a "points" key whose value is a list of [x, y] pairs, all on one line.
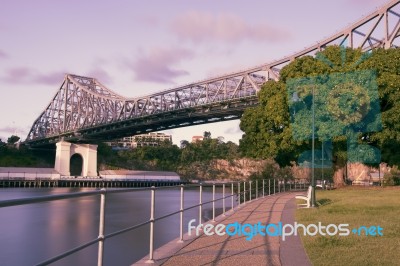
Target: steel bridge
{"points": [[84, 110]]}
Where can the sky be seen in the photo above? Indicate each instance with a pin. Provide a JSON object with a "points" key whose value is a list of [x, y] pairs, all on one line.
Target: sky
{"points": [[139, 47]]}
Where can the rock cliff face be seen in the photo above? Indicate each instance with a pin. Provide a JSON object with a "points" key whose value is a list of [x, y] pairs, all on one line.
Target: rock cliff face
{"points": [[218, 169], [240, 169]]}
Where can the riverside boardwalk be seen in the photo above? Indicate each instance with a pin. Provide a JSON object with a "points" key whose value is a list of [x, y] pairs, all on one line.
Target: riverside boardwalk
{"points": [[236, 250]]}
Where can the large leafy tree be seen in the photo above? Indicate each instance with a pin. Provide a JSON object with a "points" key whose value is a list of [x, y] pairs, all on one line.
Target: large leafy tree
{"points": [[13, 139], [268, 129]]}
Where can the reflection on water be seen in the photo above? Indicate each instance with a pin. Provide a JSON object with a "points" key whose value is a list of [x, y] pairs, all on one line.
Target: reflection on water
{"points": [[33, 233]]}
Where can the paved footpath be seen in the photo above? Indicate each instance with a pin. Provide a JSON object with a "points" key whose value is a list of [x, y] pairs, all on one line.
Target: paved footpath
{"points": [[236, 250]]}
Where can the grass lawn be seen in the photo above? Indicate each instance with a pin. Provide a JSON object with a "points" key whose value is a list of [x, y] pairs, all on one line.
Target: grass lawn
{"points": [[355, 206]]}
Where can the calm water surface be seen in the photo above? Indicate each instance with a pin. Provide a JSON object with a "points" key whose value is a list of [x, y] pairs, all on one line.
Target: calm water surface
{"points": [[33, 233]]}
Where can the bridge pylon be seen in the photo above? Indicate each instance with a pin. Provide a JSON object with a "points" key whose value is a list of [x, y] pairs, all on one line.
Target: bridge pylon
{"points": [[65, 150]]}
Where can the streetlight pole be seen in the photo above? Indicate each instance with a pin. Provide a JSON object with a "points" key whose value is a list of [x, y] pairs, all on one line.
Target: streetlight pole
{"points": [[322, 168], [313, 202], [295, 98]]}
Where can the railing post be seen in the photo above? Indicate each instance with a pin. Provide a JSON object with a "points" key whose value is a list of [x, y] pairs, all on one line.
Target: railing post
{"points": [[250, 190], [263, 188], [232, 197], [223, 199], [239, 192], [181, 214], [256, 189], [213, 202], [274, 186], [152, 210], [244, 192], [200, 203], [279, 186], [101, 227], [269, 187]]}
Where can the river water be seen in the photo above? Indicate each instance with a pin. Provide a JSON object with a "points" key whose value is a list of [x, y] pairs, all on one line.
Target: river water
{"points": [[33, 233]]}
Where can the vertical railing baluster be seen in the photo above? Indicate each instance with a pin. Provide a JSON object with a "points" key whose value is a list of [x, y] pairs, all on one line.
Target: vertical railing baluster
{"points": [[269, 187], [239, 193], [250, 191], [256, 189], [232, 196], [244, 192], [213, 202], [101, 227], [263, 188], [223, 199], [152, 210], [200, 203], [181, 214], [279, 186]]}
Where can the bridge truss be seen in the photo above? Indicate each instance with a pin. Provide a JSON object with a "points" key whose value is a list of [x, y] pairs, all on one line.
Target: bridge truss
{"points": [[85, 110]]}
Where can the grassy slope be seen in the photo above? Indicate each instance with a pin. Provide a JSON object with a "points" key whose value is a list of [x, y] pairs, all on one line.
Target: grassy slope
{"points": [[357, 207]]}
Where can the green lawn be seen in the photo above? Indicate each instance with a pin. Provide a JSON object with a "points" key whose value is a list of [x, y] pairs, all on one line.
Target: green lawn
{"points": [[356, 207]]}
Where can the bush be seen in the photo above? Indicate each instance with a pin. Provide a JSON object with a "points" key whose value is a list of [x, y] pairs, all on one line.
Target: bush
{"points": [[392, 178]]}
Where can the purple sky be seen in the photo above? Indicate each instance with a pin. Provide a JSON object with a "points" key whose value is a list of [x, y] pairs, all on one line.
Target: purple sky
{"points": [[140, 47]]}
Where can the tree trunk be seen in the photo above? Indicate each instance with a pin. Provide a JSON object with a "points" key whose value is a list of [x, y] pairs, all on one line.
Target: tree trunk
{"points": [[338, 176]]}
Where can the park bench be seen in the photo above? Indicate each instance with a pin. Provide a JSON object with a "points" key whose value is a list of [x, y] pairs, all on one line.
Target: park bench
{"points": [[307, 198]]}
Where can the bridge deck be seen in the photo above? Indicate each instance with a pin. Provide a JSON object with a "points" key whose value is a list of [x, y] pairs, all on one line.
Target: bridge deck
{"points": [[236, 250]]}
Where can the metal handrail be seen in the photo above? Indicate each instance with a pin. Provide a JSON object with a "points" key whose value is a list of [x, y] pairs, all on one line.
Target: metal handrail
{"points": [[103, 192]]}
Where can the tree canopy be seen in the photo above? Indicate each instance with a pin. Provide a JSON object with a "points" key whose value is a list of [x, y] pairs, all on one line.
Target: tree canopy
{"points": [[13, 139], [356, 104]]}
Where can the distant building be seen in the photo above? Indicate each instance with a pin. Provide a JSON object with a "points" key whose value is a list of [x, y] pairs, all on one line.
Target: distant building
{"points": [[197, 138], [149, 139]]}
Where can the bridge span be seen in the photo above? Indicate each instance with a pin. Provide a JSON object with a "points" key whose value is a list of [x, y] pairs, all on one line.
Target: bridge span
{"points": [[84, 110]]}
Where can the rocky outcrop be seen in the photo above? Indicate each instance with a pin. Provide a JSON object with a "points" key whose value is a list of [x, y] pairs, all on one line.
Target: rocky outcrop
{"points": [[239, 169]]}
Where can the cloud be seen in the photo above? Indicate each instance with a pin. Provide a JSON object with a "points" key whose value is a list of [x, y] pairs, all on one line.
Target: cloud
{"points": [[3, 55], [13, 130], [159, 65], [200, 26], [358, 2], [148, 20], [25, 75], [233, 130], [52, 78], [100, 74], [17, 75]]}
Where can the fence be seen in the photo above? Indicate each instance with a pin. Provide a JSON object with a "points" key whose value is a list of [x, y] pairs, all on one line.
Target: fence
{"points": [[242, 195]]}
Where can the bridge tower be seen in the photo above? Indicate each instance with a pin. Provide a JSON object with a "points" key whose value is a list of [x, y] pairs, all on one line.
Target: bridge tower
{"points": [[65, 150]]}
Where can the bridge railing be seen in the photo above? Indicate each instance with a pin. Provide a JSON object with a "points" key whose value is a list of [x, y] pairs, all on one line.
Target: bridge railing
{"points": [[242, 192]]}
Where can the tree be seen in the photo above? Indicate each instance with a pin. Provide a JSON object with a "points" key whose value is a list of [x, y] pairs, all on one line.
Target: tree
{"points": [[13, 139], [266, 127], [270, 127], [207, 135], [221, 140], [184, 143]]}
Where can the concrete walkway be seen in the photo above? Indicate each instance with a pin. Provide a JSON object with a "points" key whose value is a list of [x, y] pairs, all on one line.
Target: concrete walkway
{"points": [[236, 250]]}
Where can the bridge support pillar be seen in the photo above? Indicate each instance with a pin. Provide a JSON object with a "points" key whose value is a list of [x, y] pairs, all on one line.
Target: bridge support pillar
{"points": [[66, 150]]}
